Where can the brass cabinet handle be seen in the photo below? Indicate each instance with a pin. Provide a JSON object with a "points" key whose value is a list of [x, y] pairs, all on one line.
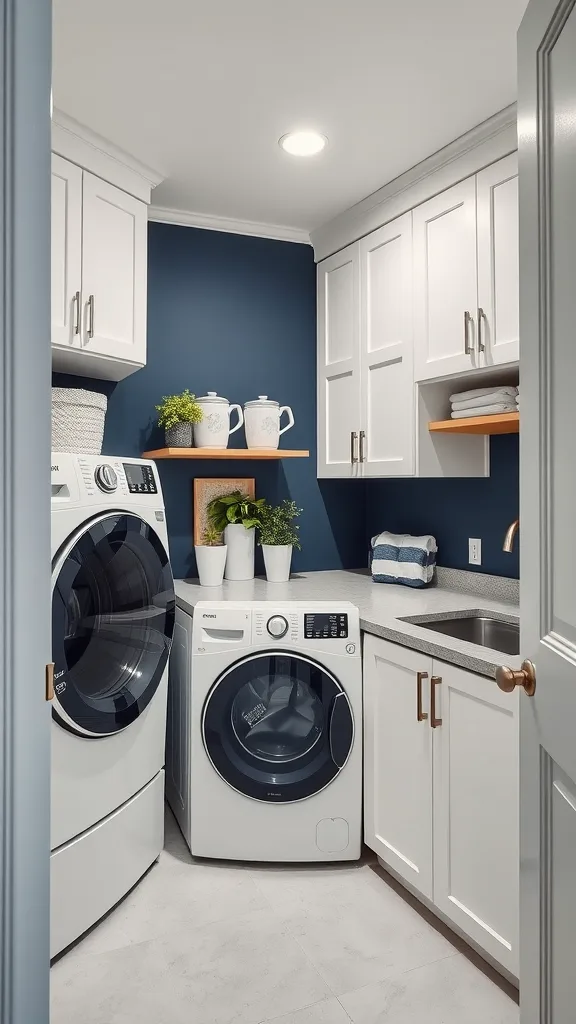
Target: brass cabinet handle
{"points": [[508, 678], [420, 715], [49, 692], [434, 682], [353, 451], [362, 446], [91, 316], [77, 313], [467, 322], [481, 318]]}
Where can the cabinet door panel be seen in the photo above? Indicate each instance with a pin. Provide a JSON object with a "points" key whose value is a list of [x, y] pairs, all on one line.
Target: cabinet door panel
{"points": [[476, 811], [397, 761], [445, 286], [338, 363], [66, 260], [386, 349], [114, 271], [498, 255]]}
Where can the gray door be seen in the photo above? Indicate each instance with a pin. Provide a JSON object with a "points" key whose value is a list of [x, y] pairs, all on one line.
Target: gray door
{"points": [[25, 41], [547, 141]]}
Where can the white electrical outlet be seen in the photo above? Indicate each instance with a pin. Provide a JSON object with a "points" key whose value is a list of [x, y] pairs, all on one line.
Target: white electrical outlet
{"points": [[474, 551]]}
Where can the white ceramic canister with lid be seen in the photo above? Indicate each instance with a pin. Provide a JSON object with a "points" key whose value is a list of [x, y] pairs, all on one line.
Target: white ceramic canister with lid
{"points": [[214, 430], [262, 422]]}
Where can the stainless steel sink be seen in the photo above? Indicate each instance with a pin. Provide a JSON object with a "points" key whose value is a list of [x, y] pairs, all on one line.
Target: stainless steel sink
{"points": [[478, 629]]}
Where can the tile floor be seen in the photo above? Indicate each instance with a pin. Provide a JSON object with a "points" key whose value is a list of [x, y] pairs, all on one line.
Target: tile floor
{"points": [[217, 943]]}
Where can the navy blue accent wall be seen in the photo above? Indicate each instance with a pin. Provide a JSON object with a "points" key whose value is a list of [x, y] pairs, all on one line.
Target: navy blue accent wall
{"points": [[454, 510], [236, 315]]}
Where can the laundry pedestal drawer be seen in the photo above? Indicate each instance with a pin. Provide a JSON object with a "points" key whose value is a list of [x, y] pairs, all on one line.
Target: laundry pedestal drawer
{"points": [[90, 874]]}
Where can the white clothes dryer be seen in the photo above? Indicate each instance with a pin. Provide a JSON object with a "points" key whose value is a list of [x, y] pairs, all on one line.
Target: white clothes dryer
{"points": [[264, 750], [112, 626]]}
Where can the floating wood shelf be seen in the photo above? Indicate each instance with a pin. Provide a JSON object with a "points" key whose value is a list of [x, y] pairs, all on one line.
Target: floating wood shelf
{"points": [[505, 423], [225, 453]]}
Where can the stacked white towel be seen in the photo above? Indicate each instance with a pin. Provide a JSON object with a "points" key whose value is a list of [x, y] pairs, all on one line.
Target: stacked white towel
{"points": [[484, 401], [400, 558]]}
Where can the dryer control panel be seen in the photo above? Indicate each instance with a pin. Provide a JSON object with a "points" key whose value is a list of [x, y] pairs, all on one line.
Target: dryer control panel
{"points": [[316, 626]]}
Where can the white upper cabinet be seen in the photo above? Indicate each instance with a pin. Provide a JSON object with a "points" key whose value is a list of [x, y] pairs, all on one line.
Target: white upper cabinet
{"points": [[498, 251], [99, 265], [66, 253], [476, 806], [398, 760], [339, 364], [386, 372], [113, 272], [445, 282]]}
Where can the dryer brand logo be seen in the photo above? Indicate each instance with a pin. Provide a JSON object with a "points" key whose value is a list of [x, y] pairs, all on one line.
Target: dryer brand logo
{"points": [[60, 687], [208, 615], [54, 469]]}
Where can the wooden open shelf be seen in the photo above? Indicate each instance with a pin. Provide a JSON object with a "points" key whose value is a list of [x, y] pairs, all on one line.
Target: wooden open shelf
{"points": [[505, 423], [225, 453]]}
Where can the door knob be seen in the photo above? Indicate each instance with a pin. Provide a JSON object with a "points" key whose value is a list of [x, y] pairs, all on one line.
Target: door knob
{"points": [[509, 678]]}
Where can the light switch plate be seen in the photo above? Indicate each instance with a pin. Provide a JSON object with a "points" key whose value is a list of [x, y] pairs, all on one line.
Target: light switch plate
{"points": [[474, 551]]}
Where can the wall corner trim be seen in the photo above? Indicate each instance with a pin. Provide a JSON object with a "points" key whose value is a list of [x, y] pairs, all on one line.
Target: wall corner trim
{"points": [[482, 145], [79, 144], [213, 222]]}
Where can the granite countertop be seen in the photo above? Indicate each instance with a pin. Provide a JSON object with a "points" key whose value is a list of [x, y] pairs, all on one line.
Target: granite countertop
{"points": [[382, 608]]}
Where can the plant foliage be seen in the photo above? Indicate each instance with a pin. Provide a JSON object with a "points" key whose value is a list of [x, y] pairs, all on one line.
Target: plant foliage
{"points": [[235, 508], [179, 409], [277, 524], [211, 537]]}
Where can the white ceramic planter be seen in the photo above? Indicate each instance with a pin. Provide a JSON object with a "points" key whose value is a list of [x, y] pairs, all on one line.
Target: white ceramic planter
{"points": [[214, 430], [262, 422], [240, 560], [210, 561], [277, 559]]}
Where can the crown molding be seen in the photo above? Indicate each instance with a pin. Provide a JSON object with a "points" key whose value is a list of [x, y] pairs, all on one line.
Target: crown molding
{"points": [[81, 145], [483, 145], [212, 222]]}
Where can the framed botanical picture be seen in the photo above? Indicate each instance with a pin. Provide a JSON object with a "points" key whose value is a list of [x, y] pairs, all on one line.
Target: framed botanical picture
{"points": [[206, 488]]}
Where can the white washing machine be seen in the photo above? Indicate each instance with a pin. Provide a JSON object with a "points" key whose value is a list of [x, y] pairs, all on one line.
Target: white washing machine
{"points": [[264, 749], [112, 626]]}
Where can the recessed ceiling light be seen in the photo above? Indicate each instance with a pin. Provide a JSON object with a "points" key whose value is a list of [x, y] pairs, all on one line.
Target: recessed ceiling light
{"points": [[303, 143]]}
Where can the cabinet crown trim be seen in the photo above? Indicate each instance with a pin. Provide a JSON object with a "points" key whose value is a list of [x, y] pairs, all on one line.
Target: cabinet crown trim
{"points": [[484, 144], [213, 222], [79, 144]]}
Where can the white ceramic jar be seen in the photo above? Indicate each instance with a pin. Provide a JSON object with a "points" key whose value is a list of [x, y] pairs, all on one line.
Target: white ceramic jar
{"points": [[262, 422], [214, 430]]}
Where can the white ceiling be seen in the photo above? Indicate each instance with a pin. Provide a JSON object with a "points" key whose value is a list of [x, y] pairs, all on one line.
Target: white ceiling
{"points": [[201, 91]]}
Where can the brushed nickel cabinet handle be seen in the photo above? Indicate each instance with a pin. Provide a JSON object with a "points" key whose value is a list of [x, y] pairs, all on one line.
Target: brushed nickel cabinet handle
{"points": [[421, 716], [481, 318], [434, 682], [362, 446], [91, 316], [353, 450], [77, 313], [467, 322]]}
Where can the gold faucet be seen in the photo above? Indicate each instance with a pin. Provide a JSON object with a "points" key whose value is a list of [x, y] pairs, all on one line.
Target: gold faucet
{"points": [[510, 534]]}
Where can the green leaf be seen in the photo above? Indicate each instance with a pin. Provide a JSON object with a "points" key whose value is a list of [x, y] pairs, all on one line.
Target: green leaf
{"points": [[248, 524], [232, 513]]}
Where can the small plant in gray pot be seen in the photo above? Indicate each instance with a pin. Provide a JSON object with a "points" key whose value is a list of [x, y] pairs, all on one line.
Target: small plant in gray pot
{"points": [[278, 536], [211, 557], [177, 415]]}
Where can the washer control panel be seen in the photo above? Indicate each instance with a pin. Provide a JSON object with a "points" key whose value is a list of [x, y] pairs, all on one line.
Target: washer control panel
{"points": [[141, 479], [325, 625], [277, 626]]}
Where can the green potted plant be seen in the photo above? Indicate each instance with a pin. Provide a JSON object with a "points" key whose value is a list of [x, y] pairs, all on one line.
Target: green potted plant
{"points": [[237, 515], [211, 557], [278, 535], [177, 414]]}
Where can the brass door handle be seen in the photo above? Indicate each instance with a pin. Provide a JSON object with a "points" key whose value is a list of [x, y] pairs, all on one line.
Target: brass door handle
{"points": [[420, 715], [508, 678], [434, 682], [49, 691]]}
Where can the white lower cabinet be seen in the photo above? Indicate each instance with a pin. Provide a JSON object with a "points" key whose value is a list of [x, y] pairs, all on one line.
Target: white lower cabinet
{"points": [[441, 791]]}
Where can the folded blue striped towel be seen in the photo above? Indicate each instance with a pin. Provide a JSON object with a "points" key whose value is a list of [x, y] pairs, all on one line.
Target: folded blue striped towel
{"points": [[400, 558]]}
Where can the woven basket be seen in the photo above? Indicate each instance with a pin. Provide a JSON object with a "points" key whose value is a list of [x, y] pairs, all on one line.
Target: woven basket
{"points": [[78, 420]]}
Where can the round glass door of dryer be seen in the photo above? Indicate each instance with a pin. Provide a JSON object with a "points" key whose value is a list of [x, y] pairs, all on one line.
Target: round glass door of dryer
{"points": [[112, 624], [278, 727]]}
